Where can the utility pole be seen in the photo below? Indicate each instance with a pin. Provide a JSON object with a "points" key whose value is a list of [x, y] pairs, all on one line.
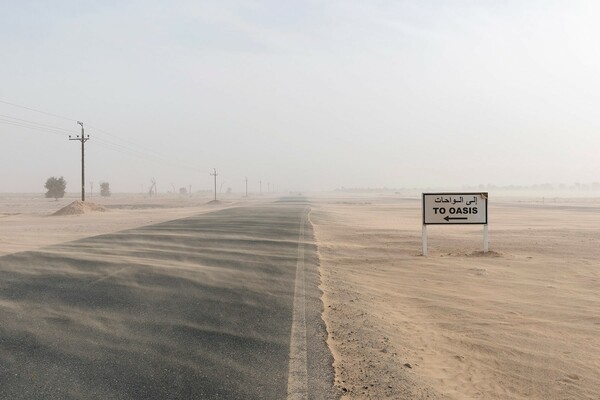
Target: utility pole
{"points": [[246, 186], [260, 187], [91, 189], [82, 139], [215, 175], [268, 187]]}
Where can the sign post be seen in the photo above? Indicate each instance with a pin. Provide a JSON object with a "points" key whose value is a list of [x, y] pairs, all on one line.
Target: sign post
{"points": [[486, 245], [455, 209], [424, 235]]}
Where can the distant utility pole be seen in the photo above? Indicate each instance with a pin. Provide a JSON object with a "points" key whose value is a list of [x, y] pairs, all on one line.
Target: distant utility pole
{"points": [[260, 187], [82, 139], [215, 175], [91, 189], [246, 186], [268, 187]]}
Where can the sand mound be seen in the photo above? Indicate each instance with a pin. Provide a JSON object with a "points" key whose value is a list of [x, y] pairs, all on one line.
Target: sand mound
{"points": [[79, 207], [215, 202], [478, 253]]}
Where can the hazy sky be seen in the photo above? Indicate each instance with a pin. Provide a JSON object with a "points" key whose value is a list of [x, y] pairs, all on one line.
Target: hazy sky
{"points": [[307, 95]]}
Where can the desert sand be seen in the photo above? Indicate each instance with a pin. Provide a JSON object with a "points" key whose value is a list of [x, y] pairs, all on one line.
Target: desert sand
{"points": [[522, 322]]}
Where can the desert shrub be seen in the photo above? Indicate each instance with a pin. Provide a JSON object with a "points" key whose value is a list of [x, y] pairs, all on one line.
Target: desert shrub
{"points": [[56, 187], [105, 189]]}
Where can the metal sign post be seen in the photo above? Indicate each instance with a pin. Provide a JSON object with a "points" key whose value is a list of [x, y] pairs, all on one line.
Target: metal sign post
{"points": [[486, 245], [455, 209], [424, 234]]}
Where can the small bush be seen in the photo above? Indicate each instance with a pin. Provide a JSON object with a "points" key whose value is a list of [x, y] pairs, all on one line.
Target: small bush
{"points": [[56, 187], [105, 189]]}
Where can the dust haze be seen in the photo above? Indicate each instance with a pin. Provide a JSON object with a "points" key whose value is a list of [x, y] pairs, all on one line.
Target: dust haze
{"points": [[307, 96], [263, 236]]}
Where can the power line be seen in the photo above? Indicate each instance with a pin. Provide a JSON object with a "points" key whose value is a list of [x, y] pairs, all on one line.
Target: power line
{"points": [[155, 157], [68, 119], [60, 132], [21, 120], [38, 111], [151, 152], [119, 148], [29, 127], [73, 120], [138, 151]]}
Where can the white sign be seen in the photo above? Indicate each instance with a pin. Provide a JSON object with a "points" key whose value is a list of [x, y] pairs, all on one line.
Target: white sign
{"points": [[455, 208]]}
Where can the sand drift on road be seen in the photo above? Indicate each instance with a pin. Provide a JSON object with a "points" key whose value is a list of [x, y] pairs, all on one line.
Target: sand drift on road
{"points": [[199, 307]]}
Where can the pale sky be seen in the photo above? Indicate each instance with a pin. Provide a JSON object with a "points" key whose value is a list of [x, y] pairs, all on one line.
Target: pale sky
{"points": [[310, 95]]}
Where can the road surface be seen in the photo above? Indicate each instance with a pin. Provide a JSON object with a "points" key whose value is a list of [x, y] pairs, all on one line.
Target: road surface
{"points": [[223, 305]]}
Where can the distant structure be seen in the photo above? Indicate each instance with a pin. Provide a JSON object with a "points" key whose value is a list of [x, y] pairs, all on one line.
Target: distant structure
{"points": [[214, 173], [152, 191]]}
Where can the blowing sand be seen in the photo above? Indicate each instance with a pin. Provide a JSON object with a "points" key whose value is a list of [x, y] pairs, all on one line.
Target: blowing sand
{"points": [[522, 322], [193, 308], [27, 221]]}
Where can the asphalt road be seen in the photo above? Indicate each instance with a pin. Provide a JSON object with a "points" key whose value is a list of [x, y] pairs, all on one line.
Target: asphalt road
{"points": [[223, 305]]}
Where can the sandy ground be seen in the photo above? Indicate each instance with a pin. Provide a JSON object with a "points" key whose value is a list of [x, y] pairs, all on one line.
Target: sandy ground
{"points": [[26, 221], [520, 323]]}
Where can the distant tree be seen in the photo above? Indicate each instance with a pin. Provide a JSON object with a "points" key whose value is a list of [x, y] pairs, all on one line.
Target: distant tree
{"points": [[182, 190], [56, 187], [105, 189]]}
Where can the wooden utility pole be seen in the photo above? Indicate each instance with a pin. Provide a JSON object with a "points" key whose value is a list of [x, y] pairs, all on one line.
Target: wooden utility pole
{"points": [[215, 175], [246, 186], [82, 139]]}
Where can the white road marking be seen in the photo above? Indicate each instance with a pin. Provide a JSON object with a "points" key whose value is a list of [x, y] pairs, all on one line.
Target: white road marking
{"points": [[297, 370]]}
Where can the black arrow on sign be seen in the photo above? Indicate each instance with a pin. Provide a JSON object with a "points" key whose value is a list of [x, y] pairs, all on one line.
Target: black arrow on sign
{"points": [[448, 218]]}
